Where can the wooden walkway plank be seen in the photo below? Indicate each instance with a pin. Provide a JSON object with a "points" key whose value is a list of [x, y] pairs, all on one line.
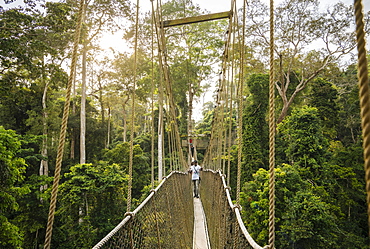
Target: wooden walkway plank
{"points": [[200, 237]]}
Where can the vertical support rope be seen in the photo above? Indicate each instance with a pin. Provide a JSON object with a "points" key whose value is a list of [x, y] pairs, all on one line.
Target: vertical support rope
{"points": [[272, 129], [235, 20], [220, 115], [226, 130], [133, 113], [172, 167], [58, 166], [168, 87], [172, 150], [152, 104], [240, 109], [364, 95], [224, 91]]}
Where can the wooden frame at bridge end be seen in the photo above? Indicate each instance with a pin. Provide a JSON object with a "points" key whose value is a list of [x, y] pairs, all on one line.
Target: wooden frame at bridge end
{"points": [[195, 19]]}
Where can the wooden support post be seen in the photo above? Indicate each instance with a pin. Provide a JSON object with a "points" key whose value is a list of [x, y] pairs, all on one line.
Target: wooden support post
{"points": [[196, 19]]}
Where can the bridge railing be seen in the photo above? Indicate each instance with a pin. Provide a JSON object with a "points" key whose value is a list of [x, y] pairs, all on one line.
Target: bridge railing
{"points": [[225, 225], [163, 220]]}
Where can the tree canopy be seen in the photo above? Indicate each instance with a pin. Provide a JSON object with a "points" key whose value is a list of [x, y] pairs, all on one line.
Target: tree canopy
{"points": [[320, 192]]}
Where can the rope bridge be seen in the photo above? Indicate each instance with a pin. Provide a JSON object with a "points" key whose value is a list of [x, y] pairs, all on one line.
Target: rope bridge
{"points": [[165, 218]]}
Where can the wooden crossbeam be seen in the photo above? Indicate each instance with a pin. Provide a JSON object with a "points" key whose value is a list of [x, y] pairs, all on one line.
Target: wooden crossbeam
{"points": [[195, 19]]}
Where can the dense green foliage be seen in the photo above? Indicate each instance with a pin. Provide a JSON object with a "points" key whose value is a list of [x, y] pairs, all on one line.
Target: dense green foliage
{"points": [[92, 203], [255, 137], [320, 198], [318, 195], [12, 173]]}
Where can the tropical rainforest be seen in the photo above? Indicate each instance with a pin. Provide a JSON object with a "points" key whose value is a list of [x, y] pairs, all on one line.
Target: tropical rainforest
{"points": [[320, 182]]}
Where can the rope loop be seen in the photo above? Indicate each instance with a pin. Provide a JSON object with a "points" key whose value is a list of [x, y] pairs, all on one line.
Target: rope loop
{"points": [[237, 206], [131, 214]]}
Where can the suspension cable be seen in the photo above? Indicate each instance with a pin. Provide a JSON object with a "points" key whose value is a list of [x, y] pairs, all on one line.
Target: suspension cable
{"points": [[220, 117], [272, 128], [226, 67], [235, 19], [170, 151], [240, 108], [58, 166], [364, 93], [168, 88], [152, 103]]}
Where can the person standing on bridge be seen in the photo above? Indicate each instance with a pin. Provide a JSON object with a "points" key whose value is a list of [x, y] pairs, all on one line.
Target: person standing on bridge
{"points": [[195, 177]]}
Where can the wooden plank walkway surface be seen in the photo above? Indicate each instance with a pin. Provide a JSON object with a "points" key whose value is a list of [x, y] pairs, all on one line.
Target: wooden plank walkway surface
{"points": [[200, 237]]}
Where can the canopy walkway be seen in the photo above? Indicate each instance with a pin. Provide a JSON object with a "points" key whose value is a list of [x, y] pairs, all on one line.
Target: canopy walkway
{"points": [[168, 218]]}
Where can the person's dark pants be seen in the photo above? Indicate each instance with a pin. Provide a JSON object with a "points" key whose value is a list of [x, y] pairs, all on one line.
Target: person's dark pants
{"points": [[196, 188]]}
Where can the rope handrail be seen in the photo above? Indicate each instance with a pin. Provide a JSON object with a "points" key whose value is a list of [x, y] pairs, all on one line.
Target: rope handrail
{"points": [[245, 231], [132, 214], [113, 232], [236, 210], [143, 214]]}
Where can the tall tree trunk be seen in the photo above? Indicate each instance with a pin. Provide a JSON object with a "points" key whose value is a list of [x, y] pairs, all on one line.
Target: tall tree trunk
{"points": [[101, 100], [73, 132], [108, 132], [102, 108], [44, 167], [83, 107]]}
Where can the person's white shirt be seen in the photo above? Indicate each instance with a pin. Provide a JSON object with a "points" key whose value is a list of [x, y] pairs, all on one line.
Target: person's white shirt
{"points": [[195, 170]]}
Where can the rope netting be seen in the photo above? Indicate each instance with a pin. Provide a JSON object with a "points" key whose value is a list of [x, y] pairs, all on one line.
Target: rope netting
{"points": [[163, 219], [225, 225]]}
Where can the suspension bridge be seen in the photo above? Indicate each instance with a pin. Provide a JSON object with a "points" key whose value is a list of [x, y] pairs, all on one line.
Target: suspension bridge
{"points": [[170, 217]]}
